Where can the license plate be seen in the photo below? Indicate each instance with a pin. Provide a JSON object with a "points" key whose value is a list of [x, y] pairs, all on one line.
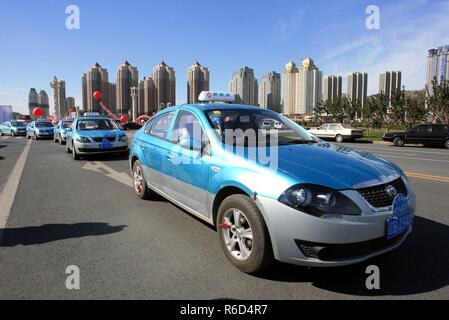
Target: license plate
{"points": [[402, 218], [106, 145]]}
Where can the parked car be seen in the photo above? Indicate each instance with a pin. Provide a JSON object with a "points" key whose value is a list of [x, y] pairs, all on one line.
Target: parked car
{"points": [[132, 126], [313, 204], [13, 128], [60, 132], [338, 132], [94, 134], [426, 134], [40, 129]]}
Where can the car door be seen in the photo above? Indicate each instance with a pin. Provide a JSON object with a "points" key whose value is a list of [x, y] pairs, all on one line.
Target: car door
{"points": [[8, 128], [30, 129], [418, 135], [156, 147], [322, 131], [332, 131], [190, 160], [438, 134]]}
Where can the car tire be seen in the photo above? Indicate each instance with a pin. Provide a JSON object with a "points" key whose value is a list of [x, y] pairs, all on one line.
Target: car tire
{"points": [[75, 155], [339, 138], [28, 137], [260, 255], [61, 142], [67, 148], [1, 133], [398, 142], [54, 139], [13, 134], [139, 183], [35, 137], [447, 144]]}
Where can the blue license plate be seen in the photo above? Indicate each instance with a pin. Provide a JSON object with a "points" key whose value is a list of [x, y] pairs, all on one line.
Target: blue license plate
{"points": [[106, 145], [402, 219]]}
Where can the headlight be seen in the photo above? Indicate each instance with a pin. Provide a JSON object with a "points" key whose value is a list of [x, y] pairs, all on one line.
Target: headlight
{"points": [[319, 201], [83, 140], [123, 139]]}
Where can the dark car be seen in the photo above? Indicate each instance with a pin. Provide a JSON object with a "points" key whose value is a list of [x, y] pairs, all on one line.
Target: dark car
{"points": [[426, 134], [132, 126]]}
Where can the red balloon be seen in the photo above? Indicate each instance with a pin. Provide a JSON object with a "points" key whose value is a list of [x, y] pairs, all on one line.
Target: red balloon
{"points": [[123, 119], [97, 95], [38, 112]]}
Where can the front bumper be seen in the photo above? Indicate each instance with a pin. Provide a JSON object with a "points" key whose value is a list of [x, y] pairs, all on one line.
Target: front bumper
{"points": [[49, 134], [94, 148], [20, 132], [302, 239]]}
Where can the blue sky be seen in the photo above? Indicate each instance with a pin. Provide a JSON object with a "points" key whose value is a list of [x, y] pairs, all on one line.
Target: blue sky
{"points": [[222, 35]]}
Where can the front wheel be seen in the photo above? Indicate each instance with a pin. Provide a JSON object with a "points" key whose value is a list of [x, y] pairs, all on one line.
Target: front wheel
{"points": [[28, 136], [339, 138], [75, 154], [244, 235], [398, 142], [447, 144], [13, 134], [67, 148]]}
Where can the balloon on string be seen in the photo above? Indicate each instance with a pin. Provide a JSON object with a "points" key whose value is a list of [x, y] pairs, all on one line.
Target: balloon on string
{"points": [[124, 119], [97, 95], [38, 112]]}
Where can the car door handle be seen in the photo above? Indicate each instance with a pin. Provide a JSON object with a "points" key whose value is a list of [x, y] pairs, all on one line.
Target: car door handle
{"points": [[170, 156]]}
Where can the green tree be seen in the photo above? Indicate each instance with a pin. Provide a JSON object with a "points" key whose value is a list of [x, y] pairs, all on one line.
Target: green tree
{"points": [[415, 110], [438, 101]]}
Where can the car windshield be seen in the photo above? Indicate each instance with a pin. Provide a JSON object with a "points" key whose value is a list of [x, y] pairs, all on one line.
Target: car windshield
{"points": [[18, 124], [259, 123], [66, 124], [96, 124], [44, 124]]}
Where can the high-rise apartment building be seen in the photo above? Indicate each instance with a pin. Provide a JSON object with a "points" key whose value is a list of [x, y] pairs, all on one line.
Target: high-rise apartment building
{"points": [[437, 66], [70, 103], [95, 79], [358, 87], [332, 88], [197, 81], [149, 103], [59, 97], [310, 82], [44, 103], [112, 102], [33, 100], [164, 79], [244, 86], [270, 92], [127, 77], [390, 82], [290, 86]]}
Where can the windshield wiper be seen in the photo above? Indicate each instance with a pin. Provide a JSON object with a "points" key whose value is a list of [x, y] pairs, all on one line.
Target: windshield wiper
{"points": [[293, 142]]}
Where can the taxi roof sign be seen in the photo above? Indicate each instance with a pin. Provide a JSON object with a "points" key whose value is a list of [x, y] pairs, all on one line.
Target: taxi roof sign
{"points": [[91, 114], [210, 96]]}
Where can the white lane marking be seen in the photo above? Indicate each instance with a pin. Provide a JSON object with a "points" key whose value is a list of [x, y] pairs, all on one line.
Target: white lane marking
{"points": [[97, 166], [395, 149], [10, 189], [419, 159]]}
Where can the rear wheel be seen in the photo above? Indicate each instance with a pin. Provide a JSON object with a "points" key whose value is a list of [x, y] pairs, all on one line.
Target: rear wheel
{"points": [[1, 133], [243, 234], [339, 138], [140, 185], [447, 144], [398, 142]]}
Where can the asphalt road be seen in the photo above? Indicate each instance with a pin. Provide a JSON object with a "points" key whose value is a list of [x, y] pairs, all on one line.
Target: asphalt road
{"points": [[84, 213]]}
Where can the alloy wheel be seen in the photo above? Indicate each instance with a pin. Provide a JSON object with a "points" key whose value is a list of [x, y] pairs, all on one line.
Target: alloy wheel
{"points": [[138, 179], [237, 234]]}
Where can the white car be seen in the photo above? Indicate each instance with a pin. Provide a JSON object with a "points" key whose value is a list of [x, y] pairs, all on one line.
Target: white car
{"points": [[338, 132]]}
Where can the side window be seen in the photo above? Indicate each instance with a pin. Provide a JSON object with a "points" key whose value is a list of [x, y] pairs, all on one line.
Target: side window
{"points": [[161, 125], [188, 131], [333, 127], [324, 127], [438, 130], [423, 129]]}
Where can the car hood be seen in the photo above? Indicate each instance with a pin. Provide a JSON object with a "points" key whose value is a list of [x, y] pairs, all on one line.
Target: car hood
{"points": [[334, 166], [45, 128]]}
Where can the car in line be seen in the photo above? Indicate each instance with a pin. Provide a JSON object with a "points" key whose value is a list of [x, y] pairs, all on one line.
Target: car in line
{"points": [[296, 199], [60, 131], [13, 128], [40, 129], [94, 134], [425, 134], [338, 132]]}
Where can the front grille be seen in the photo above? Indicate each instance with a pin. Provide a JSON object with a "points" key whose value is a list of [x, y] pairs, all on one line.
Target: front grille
{"points": [[378, 197], [98, 139], [335, 252], [111, 139]]}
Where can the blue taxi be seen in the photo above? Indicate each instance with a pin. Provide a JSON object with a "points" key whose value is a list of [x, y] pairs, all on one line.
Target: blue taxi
{"points": [[60, 131], [40, 129], [272, 190], [13, 128], [94, 134]]}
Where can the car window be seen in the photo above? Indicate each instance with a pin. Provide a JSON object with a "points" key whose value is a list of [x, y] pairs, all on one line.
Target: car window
{"points": [[187, 125], [333, 127], [438, 129], [324, 127], [423, 129], [161, 125]]}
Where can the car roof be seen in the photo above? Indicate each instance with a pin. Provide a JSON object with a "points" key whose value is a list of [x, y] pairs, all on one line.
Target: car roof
{"points": [[212, 106], [93, 118]]}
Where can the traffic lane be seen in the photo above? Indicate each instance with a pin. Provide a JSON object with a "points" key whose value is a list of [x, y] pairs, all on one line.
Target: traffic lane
{"points": [[10, 150], [128, 248], [430, 161]]}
